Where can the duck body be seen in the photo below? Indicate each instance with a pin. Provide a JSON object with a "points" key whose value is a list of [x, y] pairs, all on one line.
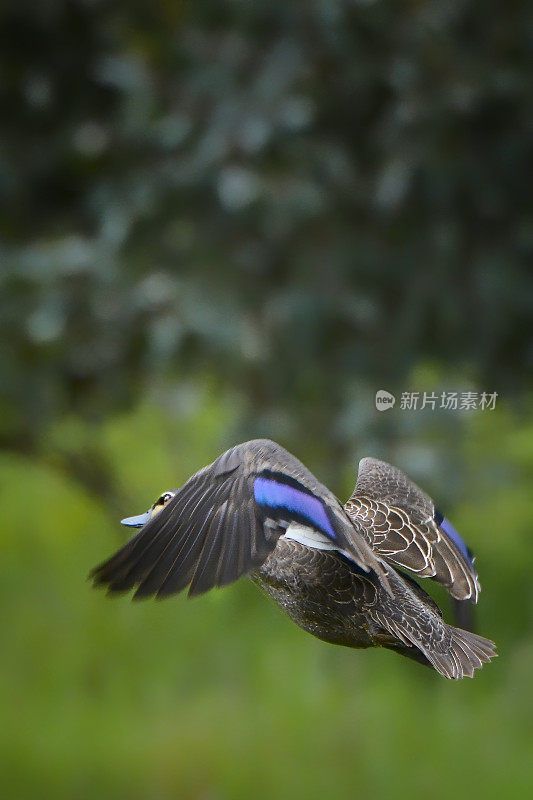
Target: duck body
{"points": [[328, 596], [320, 590], [333, 570]]}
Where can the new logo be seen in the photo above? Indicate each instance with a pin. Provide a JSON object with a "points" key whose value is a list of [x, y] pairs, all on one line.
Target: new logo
{"points": [[384, 400]]}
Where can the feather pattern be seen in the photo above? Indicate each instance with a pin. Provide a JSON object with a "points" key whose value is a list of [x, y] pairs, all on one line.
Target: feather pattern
{"points": [[401, 523], [328, 596]]}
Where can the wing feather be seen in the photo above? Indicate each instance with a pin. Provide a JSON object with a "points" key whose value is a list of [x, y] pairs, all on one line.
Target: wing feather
{"points": [[401, 524], [183, 545], [217, 527]]}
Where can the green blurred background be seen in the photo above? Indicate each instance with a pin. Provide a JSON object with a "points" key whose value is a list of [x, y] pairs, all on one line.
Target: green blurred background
{"points": [[225, 220]]}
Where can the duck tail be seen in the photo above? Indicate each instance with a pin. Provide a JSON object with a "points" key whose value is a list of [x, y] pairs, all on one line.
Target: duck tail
{"points": [[467, 652]]}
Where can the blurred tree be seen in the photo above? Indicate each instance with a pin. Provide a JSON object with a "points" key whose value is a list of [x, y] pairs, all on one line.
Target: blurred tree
{"points": [[303, 199]]}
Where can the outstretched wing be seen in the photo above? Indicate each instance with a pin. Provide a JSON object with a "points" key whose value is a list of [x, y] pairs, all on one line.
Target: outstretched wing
{"points": [[224, 522], [402, 524]]}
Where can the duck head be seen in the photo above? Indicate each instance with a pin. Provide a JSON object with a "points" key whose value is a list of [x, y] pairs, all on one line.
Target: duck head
{"points": [[155, 508]]}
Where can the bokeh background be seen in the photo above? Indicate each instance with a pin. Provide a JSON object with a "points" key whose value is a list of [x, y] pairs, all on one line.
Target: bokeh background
{"points": [[224, 220]]}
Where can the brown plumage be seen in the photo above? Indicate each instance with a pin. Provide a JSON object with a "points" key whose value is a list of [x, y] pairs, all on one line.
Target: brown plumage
{"points": [[258, 511]]}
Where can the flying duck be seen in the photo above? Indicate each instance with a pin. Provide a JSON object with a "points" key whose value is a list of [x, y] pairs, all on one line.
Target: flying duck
{"points": [[337, 571]]}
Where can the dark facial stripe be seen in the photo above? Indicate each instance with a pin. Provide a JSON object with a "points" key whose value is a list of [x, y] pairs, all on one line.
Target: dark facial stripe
{"points": [[450, 531], [272, 494]]}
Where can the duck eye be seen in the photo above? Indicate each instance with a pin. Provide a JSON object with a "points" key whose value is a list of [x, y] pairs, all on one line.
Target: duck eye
{"points": [[164, 499]]}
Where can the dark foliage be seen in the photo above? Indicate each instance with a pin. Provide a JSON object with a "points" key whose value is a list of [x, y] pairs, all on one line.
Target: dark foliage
{"points": [[314, 195]]}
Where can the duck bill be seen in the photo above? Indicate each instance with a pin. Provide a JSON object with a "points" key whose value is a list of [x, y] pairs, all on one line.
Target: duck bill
{"points": [[138, 521]]}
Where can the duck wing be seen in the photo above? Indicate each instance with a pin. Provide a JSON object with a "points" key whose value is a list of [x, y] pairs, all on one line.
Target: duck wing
{"points": [[402, 525], [226, 520]]}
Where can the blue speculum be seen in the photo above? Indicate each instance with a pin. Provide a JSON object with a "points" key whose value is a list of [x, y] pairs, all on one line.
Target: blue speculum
{"points": [[278, 496], [445, 525]]}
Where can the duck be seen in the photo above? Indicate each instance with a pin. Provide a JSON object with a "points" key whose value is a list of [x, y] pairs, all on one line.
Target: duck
{"points": [[343, 573]]}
